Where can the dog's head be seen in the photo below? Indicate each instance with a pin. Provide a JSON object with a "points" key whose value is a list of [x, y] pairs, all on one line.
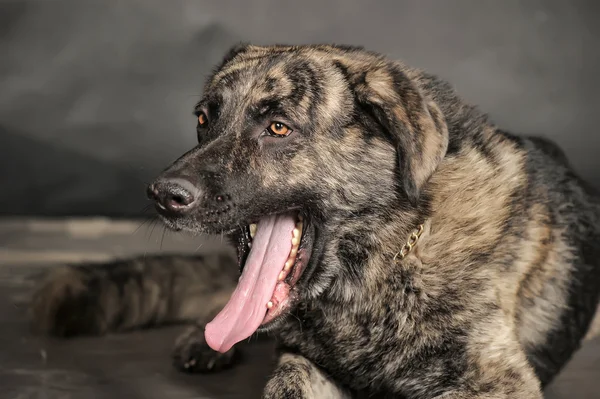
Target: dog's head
{"points": [[292, 140]]}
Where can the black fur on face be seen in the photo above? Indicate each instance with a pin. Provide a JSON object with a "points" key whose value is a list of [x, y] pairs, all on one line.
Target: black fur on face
{"points": [[331, 107]]}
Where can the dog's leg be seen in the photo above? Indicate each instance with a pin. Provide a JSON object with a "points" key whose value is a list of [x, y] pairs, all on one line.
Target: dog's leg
{"points": [[466, 395], [297, 377], [97, 299], [193, 355], [497, 369], [503, 389], [125, 295]]}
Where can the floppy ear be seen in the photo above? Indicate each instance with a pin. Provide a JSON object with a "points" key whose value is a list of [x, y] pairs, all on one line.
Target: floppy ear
{"points": [[414, 125]]}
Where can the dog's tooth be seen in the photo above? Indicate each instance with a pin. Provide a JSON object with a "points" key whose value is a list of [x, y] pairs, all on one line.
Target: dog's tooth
{"points": [[281, 275], [294, 252], [296, 241], [269, 305], [250, 244], [288, 265], [296, 233], [253, 228]]}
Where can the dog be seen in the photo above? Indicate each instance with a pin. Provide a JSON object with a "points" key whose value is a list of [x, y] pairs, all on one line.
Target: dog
{"points": [[392, 238]]}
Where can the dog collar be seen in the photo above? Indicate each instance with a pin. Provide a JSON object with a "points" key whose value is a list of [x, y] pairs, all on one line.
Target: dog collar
{"points": [[409, 245]]}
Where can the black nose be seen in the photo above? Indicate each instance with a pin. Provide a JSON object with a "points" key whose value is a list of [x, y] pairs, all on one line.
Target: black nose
{"points": [[174, 195]]}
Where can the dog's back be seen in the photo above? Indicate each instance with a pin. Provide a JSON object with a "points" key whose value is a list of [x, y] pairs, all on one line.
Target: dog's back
{"points": [[549, 250], [564, 274]]}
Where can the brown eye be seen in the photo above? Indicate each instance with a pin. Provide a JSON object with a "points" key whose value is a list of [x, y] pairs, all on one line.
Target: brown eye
{"points": [[202, 119], [279, 129]]}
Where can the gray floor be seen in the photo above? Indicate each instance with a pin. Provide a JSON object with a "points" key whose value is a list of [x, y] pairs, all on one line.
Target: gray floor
{"points": [[137, 365]]}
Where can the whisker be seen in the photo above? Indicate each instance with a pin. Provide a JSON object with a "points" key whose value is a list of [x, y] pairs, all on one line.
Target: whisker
{"points": [[148, 219], [299, 322], [163, 237], [154, 224]]}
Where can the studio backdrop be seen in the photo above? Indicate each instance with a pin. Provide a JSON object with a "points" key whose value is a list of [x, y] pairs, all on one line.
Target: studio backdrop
{"points": [[96, 97]]}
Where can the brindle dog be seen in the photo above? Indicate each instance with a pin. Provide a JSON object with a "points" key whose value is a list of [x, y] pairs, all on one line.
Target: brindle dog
{"points": [[394, 240]]}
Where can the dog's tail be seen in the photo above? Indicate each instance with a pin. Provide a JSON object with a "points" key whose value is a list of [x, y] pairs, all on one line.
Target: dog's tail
{"points": [[129, 294]]}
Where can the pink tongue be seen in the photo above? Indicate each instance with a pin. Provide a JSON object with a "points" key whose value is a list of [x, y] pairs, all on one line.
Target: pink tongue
{"points": [[247, 307]]}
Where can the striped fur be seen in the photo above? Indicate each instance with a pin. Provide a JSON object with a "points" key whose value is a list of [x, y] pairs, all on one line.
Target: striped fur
{"points": [[492, 302]]}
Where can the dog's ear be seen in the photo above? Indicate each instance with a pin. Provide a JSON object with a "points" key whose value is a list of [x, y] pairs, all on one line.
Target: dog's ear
{"points": [[415, 126]]}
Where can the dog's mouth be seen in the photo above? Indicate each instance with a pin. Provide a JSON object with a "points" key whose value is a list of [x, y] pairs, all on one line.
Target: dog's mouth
{"points": [[273, 254]]}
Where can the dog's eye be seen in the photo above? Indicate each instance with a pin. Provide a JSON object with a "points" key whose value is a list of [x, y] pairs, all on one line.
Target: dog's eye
{"points": [[279, 129], [202, 119]]}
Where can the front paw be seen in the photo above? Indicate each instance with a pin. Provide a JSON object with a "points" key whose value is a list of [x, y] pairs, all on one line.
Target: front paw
{"points": [[290, 380], [282, 389], [193, 355]]}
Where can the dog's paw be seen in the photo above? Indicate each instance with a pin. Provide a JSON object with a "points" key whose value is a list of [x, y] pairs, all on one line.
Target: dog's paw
{"points": [[295, 386], [278, 390], [64, 305], [193, 355]]}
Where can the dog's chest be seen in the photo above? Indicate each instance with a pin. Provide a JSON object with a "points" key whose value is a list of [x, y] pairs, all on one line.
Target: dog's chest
{"points": [[351, 345], [365, 349], [346, 345]]}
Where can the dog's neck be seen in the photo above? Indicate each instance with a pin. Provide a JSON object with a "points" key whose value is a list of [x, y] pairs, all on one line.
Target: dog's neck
{"points": [[410, 243], [361, 244]]}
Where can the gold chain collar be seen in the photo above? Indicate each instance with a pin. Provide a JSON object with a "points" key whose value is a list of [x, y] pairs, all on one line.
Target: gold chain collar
{"points": [[409, 245]]}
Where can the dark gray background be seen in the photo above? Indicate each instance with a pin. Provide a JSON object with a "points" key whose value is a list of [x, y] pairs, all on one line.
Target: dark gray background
{"points": [[96, 96]]}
